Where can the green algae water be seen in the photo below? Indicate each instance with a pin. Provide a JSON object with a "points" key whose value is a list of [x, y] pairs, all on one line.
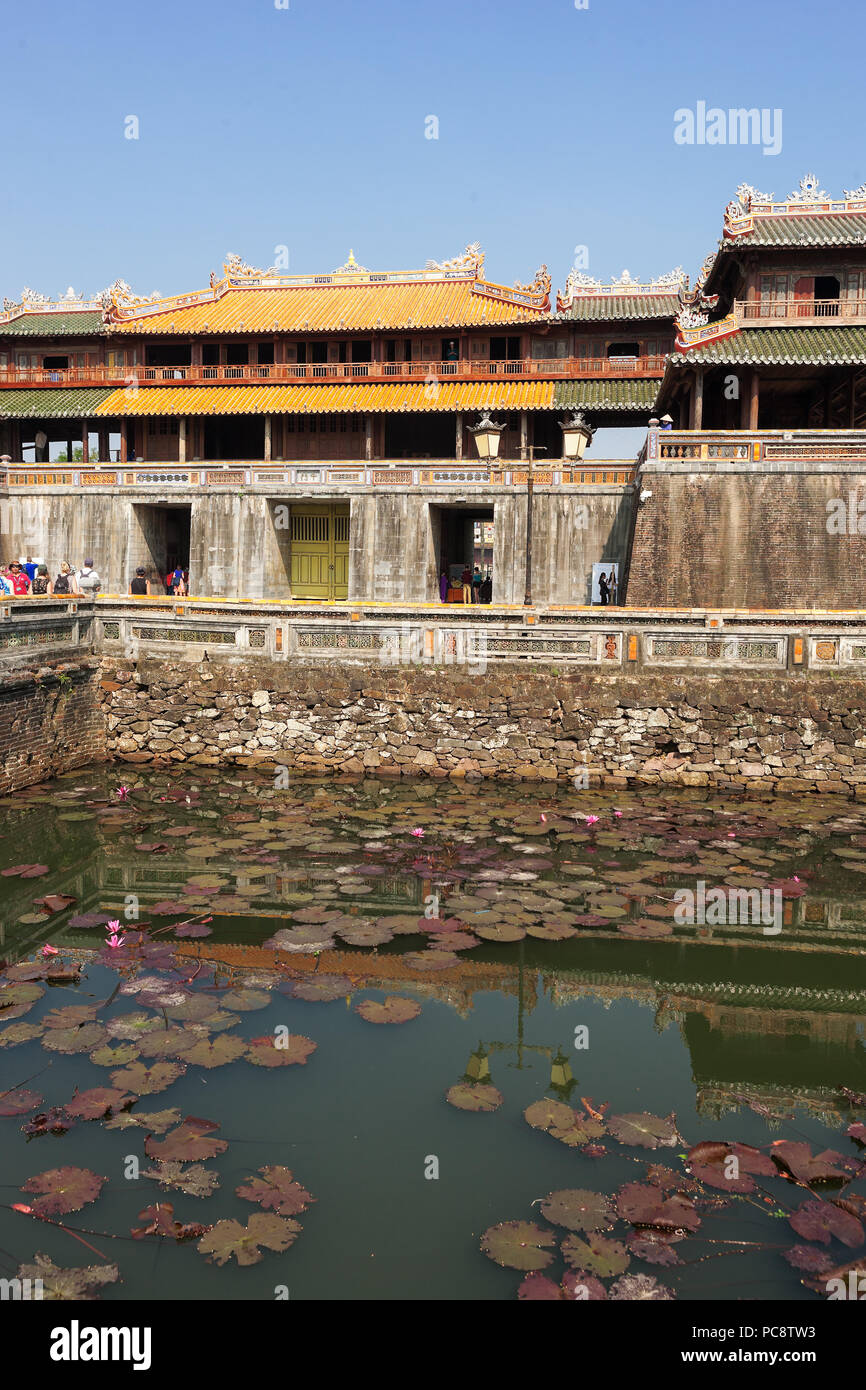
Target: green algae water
{"points": [[417, 1041]]}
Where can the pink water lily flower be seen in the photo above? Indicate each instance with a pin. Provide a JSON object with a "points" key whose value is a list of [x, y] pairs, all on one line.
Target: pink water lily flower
{"points": [[417, 832], [114, 938], [618, 814], [544, 817], [122, 793], [49, 950], [591, 820]]}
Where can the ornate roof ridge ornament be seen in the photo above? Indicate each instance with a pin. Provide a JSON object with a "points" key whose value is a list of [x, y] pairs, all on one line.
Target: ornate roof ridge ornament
{"points": [[808, 198], [236, 269], [540, 285], [695, 305], [351, 267], [581, 286], [471, 261], [809, 192]]}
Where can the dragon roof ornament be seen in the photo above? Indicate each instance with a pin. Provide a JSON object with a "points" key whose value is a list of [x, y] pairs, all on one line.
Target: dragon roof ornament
{"points": [[540, 285], [472, 261]]}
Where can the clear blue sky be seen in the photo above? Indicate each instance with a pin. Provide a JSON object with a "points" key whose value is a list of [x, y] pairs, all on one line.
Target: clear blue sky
{"points": [[305, 127]]}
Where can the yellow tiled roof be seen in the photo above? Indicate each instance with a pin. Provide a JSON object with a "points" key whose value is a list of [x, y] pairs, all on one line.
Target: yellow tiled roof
{"points": [[422, 304], [334, 398]]}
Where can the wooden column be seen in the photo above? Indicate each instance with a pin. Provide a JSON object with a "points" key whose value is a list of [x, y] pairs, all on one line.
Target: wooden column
{"points": [[458, 437], [104, 447], [85, 443], [745, 407], [268, 453], [368, 437], [524, 435], [852, 401], [698, 411], [181, 439], [123, 441], [754, 394]]}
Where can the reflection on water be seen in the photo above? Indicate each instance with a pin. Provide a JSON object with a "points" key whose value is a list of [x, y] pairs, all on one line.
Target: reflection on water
{"points": [[521, 926]]}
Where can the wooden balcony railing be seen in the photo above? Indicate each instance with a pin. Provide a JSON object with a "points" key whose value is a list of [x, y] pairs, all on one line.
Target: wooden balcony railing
{"points": [[474, 369], [751, 311], [728, 449]]}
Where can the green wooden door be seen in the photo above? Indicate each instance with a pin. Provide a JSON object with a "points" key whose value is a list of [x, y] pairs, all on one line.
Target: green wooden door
{"points": [[320, 551]]}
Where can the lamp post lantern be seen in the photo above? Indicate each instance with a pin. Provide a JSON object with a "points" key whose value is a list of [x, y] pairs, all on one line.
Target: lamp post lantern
{"points": [[576, 436], [487, 436]]}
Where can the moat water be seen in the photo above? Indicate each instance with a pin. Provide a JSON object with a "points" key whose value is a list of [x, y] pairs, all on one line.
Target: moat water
{"points": [[552, 959]]}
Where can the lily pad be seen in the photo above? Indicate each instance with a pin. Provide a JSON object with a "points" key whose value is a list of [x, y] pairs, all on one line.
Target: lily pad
{"points": [[578, 1209], [191, 1178], [323, 989], [597, 1254], [192, 1140], [160, 1221], [518, 1245], [98, 1102], [643, 1130], [62, 1190], [394, 1009], [147, 1081], [19, 1101], [276, 1190], [280, 1050], [474, 1096], [230, 1238], [79, 1283]]}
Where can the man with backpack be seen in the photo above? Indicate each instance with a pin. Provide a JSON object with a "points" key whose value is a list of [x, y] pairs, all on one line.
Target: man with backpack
{"points": [[89, 581]]}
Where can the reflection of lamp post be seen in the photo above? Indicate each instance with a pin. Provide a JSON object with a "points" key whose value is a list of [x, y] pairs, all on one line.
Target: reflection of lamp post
{"points": [[487, 436], [478, 1067], [576, 436]]}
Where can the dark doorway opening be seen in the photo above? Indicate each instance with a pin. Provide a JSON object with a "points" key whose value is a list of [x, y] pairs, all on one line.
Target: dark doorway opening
{"points": [[165, 532], [827, 289], [430, 436], [464, 539], [167, 355], [234, 437]]}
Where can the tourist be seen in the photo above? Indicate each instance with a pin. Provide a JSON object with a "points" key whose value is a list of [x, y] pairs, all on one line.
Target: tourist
{"points": [[603, 588], [173, 581], [41, 581], [486, 591], [30, 566], [65, 582], [20, 584], [476, 585], [466, 581], [611, 583], [140, 585], [5, 586], [443, 587], [88, 580]]}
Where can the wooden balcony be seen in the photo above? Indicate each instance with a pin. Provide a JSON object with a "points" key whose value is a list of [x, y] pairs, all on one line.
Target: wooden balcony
{"points": [[475, 369], [754, 313]]}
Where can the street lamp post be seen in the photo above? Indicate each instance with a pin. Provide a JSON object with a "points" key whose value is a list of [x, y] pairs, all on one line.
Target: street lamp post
{"points": [[529, 451]]}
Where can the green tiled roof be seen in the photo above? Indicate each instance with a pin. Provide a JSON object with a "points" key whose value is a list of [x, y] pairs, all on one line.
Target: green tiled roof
{"points": [[60, 324], [50, 404], [601, 308], [821, 347], [825, 229], [606, 394]]}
